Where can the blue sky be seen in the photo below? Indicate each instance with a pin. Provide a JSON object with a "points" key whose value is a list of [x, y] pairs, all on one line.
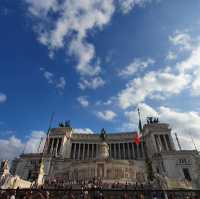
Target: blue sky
{"points": [[94, 63]]}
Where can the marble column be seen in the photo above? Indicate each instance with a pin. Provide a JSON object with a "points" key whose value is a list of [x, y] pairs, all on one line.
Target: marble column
{"points": [[142, 149], [115, 154], [51, 150], [88, 151], [133, 150], [124, 155], [109, 149], [160, 143], [167, 148], [79, 150], [138, 152], [83, 156], [128, 149], [74, 151], [92, 155], [56, 149]]}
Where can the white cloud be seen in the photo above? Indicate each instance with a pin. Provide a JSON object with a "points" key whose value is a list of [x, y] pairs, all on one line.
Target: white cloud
{"points": [[39, 8], [183, 123], [135, 65], [58, 83], [171, 55], [77, 17], [132, 116], [61, 83], [3, 98], [128, 5], [33, 142], [182, 40], [48, 76], [12, 147], [92, 83], [107, 115], [153, 84], [67, 24], [83, 131], [191, 65], [84, 52], [168, 81], [83, 101]]}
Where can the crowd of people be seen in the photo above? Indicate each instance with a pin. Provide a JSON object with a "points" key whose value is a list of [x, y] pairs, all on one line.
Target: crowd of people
{"points": [[91, 189], [87, 194]]}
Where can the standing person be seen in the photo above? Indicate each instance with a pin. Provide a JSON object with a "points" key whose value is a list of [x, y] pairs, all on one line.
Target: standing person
{"points": [[13, 195], [70, 195], [141, 196], [101, 196], [125, 196]]}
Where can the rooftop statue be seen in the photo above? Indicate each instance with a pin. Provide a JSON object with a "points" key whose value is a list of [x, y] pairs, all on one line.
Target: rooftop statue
{"points": [[152, 120], [65, 124], [103, 134]]}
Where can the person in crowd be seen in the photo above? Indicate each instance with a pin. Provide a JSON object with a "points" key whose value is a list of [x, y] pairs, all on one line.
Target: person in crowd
{"points": [[13, 195]]}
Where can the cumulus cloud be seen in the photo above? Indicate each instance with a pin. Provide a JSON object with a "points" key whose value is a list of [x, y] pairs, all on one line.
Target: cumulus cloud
{"points": [[152, 85], [92, 83], [107, 115], [171, 55], [191, 65], [10, 148], [182, 40], [13, 147], [3, 97], [67, 24], [127, 5], [58, 83], [168, 81], [75, 19], [136, 65], [33, 144], [83, 131], [83, 101], [61, 83], [132, 116]]}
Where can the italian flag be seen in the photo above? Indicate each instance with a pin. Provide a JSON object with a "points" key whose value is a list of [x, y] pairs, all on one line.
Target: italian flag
{"points": [[137, 139]]}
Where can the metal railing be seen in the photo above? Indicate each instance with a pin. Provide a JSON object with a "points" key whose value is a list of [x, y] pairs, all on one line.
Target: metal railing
{"points": [[99, 193]]}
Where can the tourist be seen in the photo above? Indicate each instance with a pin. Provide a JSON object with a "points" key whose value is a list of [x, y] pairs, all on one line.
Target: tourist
{"points": [[70, 195], [141, 196], [125, 196], [13, 195]]}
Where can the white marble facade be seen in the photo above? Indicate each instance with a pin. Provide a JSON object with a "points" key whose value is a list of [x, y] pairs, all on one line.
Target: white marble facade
{"points": [[75, 156]]}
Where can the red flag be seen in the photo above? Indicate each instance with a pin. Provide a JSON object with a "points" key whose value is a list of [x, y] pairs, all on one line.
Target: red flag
{"points": [[137, 139]]}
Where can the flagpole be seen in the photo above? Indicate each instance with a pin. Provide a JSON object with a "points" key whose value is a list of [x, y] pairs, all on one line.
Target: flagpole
{"points": [[40, 178], [50, 123]]}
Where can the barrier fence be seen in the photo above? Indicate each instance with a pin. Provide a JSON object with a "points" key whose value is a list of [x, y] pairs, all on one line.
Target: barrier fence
{"points": [[98, 194]]}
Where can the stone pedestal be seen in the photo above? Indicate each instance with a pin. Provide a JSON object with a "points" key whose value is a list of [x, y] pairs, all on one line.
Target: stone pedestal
{"points": [[4, 170], [103, 151], [40, 179]]}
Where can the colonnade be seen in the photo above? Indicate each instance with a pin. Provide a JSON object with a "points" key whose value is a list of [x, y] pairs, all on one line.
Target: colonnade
{"points": [[163, 142], [121, 151], [54, 146]]}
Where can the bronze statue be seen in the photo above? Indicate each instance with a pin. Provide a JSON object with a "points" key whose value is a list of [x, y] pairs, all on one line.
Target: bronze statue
{"points": [[152, 120], [103, 135], [65, 124]]}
